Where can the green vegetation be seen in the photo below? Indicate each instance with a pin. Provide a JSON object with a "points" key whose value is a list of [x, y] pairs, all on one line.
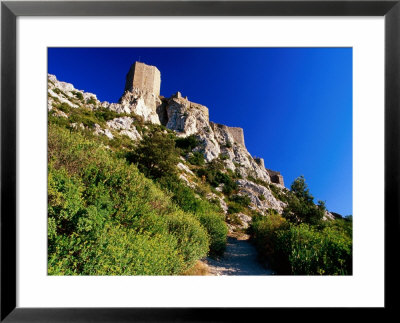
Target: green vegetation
{"points": [[123, 211], [196, 158], [78, 95], [118, 207], [301, 207], [187, 144], [92, 100], [106, 218], [206, 212], [299, 242], [213, 173], [156, 155], [238, 203], [223, 156]]}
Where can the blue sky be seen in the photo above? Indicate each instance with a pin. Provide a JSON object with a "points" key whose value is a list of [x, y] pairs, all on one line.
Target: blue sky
{"points": [[294, 104]]}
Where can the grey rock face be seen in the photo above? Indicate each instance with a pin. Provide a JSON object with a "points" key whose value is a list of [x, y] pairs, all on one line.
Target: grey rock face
{"points": [[222, 203], [328, 216], [121, 123], [141, 103], [187, 118], [125, 124], [100, 131], [67, 93], [245, 219], [253, 191]]}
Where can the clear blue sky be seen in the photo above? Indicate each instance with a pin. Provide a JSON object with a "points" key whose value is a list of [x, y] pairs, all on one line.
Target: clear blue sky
{"points": [[294, 104]]}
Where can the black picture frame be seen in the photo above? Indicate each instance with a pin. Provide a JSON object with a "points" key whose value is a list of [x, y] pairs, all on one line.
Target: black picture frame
{"points": [[10, 10]]}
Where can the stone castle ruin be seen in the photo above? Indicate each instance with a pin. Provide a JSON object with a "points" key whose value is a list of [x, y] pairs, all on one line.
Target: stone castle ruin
{"points": [[236, 132], [144, 77], [142, 92], [275, 176]]}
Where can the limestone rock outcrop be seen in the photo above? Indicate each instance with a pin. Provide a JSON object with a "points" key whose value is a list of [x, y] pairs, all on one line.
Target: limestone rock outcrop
{"points": [[126, 127], [141, 103], [141, 99], [66, 93], [255, 191]]}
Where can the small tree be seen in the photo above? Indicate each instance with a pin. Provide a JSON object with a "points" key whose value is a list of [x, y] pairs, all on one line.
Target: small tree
{"points": [[156, 155], [301, 207], [300, 189]]}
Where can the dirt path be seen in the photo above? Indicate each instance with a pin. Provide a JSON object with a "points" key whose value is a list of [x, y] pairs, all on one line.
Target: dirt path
{"points": [[240, 258]]}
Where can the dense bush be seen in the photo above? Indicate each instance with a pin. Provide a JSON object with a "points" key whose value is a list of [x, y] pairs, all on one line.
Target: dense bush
{"points": [[242, 200], [304, 249], [156, 155], [187, 144], [84, 116], [196, 158], [106, 218], [207, 213], [103, 115], [313, 252], [234, 208], [214, 176]]}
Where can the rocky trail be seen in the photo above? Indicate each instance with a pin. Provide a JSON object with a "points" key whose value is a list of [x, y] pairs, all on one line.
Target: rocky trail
{"points": [[240, 258]]}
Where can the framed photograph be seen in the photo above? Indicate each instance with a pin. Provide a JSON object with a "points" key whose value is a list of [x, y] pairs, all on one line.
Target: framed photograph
{"points": [[153, 155]]}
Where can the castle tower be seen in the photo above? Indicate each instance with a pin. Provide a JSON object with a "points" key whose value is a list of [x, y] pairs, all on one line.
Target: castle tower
{"points": [[143, 77]]}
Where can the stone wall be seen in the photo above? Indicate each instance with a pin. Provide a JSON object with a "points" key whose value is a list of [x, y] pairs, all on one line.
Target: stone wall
{"points": [[144, 77], [237, 134], [276, 177]]}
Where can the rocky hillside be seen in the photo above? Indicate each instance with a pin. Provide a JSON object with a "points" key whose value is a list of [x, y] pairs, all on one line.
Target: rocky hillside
{"points": [[138, 109], [150, 186]]}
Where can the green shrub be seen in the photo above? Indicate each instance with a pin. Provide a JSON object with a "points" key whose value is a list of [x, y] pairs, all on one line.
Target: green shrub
{"points": [[84, 116], [156, 155], [64, 107], [242, 200], [60, 121], [300, 204], [312, 252], [103, 115], [264, 230], [214, 176], [303, 249], [223, 156], [106, 218], [234, 208], [215, 225], [58, 91], [78, 95], [208, 214], [187, 144], [191, 236], [92, 100], [196, 158]]}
